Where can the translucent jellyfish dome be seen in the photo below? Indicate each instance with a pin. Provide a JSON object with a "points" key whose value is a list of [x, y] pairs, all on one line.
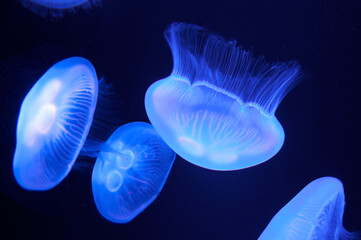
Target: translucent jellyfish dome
{"points": [[54, 121], [56, 7], [314, 213], [130, 171], [217, 108]]}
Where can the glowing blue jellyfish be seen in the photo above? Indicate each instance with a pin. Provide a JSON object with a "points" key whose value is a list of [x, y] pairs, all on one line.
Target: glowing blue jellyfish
{"points": [[314, 213], [130, 171], [54, 121], [56, 7], [216, 109]]}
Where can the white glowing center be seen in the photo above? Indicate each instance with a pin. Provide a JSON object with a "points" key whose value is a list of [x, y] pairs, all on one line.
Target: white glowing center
{"points": [[45, 118], [191, 146], [114, 181], [125, 161]]}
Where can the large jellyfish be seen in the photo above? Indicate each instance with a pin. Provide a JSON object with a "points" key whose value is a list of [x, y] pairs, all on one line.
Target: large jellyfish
{"points": [[217, 107], [54, 121], [56, 8], [314, 213], [130, 171]]}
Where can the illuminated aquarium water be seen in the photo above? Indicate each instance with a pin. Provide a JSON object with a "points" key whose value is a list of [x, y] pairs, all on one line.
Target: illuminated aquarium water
{"points": [[53, 123], [314, 213], [217, 107], [56, 8], [130, 171]]}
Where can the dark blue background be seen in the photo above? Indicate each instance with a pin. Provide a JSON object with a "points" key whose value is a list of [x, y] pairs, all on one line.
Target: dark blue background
{"points": [[124, 40]]}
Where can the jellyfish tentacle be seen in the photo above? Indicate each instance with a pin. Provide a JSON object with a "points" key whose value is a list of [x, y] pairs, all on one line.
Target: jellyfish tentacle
{"points": [[199, 55]]}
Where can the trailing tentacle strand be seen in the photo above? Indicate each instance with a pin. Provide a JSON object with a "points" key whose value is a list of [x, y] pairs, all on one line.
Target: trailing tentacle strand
{"points": [[201, 56]]}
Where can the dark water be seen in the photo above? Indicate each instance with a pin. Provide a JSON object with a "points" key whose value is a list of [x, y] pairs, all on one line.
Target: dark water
{"points": [[124, 40]]}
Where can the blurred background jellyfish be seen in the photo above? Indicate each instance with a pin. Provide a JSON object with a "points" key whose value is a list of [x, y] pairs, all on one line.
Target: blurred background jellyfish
{"points": [[217, 107], [54, 121], [56, 8], [314, 213], [130, 171]]}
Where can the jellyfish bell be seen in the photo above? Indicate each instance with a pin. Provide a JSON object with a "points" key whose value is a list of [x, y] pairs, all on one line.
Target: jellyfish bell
{"points": [[314, 213], [217, 107], [56, 8], [130, 171], [53, 123]]}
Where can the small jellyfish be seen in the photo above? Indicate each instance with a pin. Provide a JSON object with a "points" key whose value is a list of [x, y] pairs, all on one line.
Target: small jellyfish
{"points": [[54, 121], [130, 171], [314, 213], [56, 8], [217, 107]]}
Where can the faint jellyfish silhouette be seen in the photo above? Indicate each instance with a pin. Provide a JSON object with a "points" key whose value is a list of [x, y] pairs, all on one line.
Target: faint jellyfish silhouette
{"points": [[130, 171], [56, 8], [53, 123], [314, 213], [216, 109]]}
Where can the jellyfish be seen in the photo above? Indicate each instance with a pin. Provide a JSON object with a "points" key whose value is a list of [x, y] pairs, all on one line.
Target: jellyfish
{"points": [[217, 108], [314, 213], [53, 123], [130, 171], [56, 8]]}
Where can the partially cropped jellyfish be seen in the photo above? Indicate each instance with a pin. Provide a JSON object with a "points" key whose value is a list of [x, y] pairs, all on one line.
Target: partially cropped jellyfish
{"points": [[56, 8], [130, 171], [314, 213], [217, 108], [54, 121]]}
